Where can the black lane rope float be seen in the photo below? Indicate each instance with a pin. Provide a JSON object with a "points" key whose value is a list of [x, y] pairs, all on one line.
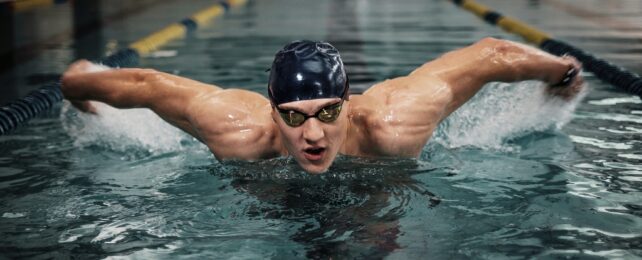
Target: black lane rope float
{"points": [[22, 110], [604, 70]]}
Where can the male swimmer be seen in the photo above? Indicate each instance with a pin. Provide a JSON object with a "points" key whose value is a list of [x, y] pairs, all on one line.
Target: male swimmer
{"points": [[308, 113]]}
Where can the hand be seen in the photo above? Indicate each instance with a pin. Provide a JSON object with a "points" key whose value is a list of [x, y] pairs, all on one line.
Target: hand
{"points": [[79, 67], [573, 87], [84, 106]]}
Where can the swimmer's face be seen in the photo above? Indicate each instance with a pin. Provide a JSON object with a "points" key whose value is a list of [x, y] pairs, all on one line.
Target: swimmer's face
{"points": [[314, 144]]}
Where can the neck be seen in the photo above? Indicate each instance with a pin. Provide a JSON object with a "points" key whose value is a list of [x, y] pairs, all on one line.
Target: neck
{"points": [[348, 140], [278, 142]]}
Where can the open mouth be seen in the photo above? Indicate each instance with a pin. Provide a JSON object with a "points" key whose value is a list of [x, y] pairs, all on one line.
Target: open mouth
{"points": [[314, 154]]}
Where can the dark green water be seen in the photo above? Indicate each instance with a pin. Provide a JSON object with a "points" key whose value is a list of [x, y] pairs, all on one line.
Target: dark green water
{"points": [[514, 174]]}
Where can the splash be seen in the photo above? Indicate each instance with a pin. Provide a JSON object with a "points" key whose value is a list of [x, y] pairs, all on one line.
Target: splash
{"points": [[501, 112], [122, 129]]}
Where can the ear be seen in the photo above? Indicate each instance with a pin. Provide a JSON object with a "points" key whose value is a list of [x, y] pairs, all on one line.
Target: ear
{"points": [[347, 106], [274, 114]]}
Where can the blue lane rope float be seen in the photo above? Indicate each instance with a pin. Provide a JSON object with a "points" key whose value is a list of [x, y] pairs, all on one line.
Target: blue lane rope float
{"points": [[603, 70], [20, 111]]}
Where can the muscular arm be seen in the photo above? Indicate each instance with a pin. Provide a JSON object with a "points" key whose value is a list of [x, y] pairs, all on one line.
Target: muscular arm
{"points": [[467, 70], [401, 114], [225, 120], [167, 95]]}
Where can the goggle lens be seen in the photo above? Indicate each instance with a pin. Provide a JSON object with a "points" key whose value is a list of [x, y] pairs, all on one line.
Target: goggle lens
{"points": [[327, 114]]}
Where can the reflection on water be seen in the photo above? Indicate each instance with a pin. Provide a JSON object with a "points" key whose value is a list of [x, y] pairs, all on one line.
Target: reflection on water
{"points": [[352, 211]]}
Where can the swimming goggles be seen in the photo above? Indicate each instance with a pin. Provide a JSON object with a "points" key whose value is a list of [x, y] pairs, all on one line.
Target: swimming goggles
{"points": [[326, 114]]}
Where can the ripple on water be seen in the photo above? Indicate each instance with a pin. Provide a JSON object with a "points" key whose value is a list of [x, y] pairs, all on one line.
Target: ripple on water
{"points": [[8, 171], [623, 130], [620, 165], [13, 215], [594, 231], [600, 143], [630, 156], [610, 117], [615, 101]]}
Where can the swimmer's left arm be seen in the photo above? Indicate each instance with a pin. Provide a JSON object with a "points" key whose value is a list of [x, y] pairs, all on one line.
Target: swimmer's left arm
{"points": [[467, 70], [401, 114]]}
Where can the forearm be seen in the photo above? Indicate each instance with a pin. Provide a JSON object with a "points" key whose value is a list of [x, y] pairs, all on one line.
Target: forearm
{"points": [[506, 61], [466, 71], [496, 60], [122, 88], [128, 88], [166, 94]]}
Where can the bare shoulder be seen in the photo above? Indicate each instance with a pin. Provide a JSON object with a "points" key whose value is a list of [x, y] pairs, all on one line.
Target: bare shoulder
{"points": [[397, 117], [414, 86], [235, 124]]}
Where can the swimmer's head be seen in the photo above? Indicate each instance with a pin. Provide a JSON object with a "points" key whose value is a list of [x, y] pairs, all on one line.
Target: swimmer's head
{"points": [[305, 70], [308, 89]]}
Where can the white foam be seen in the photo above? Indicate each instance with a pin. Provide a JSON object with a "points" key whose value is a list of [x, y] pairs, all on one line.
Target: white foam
{"points": [[121, 129], [13, 215], [504, 111], [600, 143], [615, 101]]}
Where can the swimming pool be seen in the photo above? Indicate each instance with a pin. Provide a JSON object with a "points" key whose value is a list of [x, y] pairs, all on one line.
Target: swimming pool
{"points": [[511, 175]]}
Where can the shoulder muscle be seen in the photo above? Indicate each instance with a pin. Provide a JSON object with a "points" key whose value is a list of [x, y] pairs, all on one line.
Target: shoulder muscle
{"points": [[235, 123]]}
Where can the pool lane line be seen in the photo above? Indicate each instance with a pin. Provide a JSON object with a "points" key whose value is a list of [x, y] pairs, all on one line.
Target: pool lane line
{"points": [[20, 111], [336, 30], [604, 70], [177, 30], [27, 52]]}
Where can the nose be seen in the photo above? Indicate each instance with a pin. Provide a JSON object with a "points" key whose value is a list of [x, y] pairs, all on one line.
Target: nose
{"points": [[312, 130]]}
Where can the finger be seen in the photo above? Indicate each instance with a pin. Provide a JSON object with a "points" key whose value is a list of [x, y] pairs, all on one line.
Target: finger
{"points": [[84, 106], [573, 61], [578, 65], [91, 108]]}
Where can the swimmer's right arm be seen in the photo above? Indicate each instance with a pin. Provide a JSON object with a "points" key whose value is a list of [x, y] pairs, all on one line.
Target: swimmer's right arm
{"points": [[167, 95], [233, 123]]}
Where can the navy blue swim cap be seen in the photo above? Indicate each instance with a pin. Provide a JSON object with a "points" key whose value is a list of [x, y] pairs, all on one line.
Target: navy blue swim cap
{"points": [[305, 70]]}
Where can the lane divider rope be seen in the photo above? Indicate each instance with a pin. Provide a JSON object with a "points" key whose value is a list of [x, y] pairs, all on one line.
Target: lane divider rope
{"points": [[604, 70], [20, 111]]}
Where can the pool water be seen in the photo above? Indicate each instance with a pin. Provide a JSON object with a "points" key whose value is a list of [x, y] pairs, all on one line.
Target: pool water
{"points": [[513, 174]]}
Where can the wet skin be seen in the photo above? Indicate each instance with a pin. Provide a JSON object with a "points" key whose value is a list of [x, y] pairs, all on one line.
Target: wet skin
{"points": [[313, 144], [394, 118]]}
